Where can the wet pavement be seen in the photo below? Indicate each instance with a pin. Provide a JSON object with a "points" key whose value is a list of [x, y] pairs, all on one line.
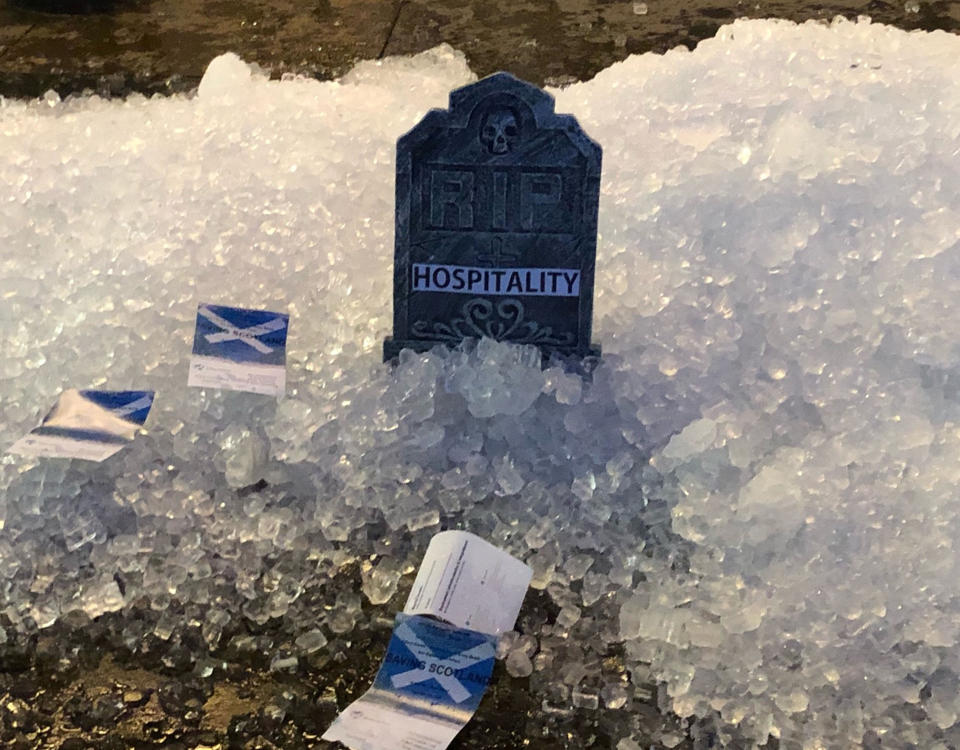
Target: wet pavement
{"points": [[113, 47], [114, 683]]}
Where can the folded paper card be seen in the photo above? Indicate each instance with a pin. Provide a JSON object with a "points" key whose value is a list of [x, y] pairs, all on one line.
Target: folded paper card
{"points": [[435, 673], [469, 583], [91, 425]]}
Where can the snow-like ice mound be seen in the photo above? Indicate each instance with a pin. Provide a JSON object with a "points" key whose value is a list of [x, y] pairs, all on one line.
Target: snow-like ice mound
{"points": [[758, 491]]}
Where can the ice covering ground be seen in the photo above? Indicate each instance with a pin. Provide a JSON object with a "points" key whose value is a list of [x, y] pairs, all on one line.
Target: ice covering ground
{"points": [[758, 492]]}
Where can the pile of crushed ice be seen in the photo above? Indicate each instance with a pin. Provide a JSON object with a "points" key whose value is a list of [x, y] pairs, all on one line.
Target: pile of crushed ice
{"points": [[758, 492]]}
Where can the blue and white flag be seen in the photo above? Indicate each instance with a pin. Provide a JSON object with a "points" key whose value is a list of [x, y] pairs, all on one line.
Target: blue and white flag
{"points": [[239, 350], [87, 424], [428, 688], [432, 663]]}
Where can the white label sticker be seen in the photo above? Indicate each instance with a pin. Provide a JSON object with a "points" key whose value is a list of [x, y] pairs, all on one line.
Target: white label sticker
{"points": [[469, 583], [519, 282]]}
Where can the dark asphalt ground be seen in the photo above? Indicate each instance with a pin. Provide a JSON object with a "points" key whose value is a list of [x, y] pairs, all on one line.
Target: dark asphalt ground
{"points": [[79, 684], [114, 47]]}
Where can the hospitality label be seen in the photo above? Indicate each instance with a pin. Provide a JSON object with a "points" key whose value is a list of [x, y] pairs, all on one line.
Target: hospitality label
{"points": [[521, 282]]}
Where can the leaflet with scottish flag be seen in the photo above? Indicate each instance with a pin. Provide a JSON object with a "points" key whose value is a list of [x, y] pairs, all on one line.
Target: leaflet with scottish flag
{"points": [[87, 424], [435, 673], [237, 349]]}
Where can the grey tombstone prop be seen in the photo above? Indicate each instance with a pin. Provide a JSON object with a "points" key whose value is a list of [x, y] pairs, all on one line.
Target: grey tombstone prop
{"points": [[496, 224]]}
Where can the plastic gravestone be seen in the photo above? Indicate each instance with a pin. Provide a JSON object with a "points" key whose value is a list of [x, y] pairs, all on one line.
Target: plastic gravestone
{"points": [[496, 223]]}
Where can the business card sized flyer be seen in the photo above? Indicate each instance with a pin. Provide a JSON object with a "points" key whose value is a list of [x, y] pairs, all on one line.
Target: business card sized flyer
{"points": [[236, 349], [87, 424]]}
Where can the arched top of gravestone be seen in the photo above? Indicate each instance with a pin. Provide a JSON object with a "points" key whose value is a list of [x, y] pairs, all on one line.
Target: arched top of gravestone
{"points": [[500, 120]]}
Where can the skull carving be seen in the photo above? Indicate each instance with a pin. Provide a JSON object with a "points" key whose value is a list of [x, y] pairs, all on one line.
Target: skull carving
{"points": [[499, 131]]}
